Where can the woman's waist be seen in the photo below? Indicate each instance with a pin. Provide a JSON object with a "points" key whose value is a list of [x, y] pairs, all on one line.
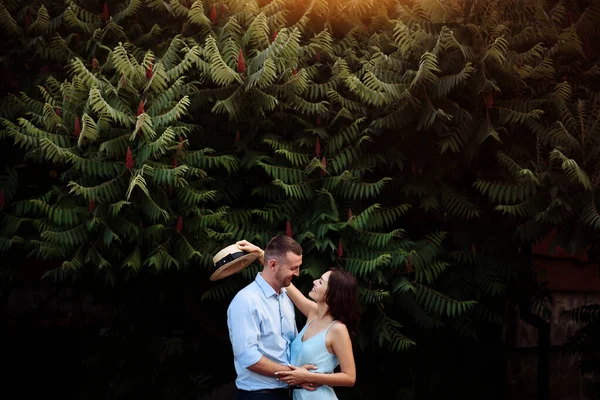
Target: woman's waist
{"points": [[315, 359], [322, 371], [323, 366]]}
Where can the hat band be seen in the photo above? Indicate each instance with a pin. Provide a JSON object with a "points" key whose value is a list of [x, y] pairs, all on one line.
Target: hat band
{"points": [[229, 258]]}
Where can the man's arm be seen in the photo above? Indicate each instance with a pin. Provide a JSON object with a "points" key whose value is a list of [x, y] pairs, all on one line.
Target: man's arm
{"points": [[266, 367], [244, 333]]}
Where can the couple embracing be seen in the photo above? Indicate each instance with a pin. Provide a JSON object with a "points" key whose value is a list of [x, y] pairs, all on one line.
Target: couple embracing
{"points": [[272, 359]]}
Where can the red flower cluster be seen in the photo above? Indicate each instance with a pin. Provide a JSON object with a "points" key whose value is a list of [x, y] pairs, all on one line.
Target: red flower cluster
{"points": [[129, 159], [77, 128], [105, 14], [241, 65], [213, 13]]}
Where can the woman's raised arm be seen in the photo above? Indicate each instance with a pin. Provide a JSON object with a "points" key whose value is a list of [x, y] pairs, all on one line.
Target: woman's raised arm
{"points": [[306, 306]]}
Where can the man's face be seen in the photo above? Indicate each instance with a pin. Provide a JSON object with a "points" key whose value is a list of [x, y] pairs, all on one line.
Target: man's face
{"points": [[288, 268]]}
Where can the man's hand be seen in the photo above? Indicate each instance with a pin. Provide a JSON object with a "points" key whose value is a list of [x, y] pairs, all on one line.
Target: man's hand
{"points": [[296, 376], [248, 247], [309, 386]]}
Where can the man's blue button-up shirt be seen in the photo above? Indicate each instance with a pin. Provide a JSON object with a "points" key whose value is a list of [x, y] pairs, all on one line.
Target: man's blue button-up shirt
{"points": [[261, 323]]}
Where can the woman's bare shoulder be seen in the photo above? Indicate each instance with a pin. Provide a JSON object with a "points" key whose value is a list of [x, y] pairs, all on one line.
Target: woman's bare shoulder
{"points": [[339, 328]]}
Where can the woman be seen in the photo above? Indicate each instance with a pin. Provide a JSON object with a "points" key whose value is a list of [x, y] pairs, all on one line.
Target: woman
{"points": [[325, 339]]}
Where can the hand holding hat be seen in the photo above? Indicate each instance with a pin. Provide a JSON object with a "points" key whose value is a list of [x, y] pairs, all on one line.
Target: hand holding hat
{"points": [[248, 247], [234, 258]]}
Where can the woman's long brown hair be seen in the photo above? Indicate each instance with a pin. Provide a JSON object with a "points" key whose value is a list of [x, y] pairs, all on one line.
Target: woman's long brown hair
{"points": [[342, 298]]}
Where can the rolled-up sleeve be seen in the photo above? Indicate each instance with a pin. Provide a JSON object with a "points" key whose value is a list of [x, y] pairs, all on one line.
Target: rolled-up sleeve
{"points": [[244, 331]]}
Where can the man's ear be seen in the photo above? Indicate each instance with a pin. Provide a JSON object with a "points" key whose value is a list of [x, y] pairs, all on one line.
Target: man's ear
{"points": [[272, 263]]}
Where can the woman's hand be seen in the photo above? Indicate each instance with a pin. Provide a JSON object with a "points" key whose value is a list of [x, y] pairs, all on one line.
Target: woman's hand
{"points": [[296, 377]]}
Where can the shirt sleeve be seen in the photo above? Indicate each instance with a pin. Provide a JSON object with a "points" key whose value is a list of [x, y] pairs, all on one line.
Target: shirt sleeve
{"points": [[244, 331]]}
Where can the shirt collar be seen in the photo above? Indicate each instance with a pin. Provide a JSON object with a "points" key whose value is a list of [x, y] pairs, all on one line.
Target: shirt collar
{"points": [[267, 290]]}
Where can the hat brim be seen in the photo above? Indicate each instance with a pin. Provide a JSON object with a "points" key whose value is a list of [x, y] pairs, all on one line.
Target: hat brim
{"points": [[233, 266]]}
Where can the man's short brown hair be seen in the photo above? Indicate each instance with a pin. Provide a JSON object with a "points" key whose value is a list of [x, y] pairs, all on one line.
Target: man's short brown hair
{"points": [[279, 246]]}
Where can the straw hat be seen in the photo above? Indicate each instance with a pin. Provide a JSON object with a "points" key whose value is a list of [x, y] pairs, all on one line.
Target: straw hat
{"points": [[230, 260]]}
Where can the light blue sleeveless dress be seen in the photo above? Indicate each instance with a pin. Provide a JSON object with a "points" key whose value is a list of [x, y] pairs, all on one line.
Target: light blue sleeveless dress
{"points": [[314, 351]]}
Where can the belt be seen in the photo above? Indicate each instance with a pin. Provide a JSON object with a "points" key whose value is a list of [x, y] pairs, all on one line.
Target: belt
{"points": [[267, 391]]}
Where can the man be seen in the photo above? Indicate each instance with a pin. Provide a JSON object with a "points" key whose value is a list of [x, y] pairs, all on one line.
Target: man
{"points": [[262, 322]]}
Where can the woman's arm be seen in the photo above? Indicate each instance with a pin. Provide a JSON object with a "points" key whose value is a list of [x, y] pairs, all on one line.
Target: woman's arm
{"points": [[339, 339], [306, 306]]}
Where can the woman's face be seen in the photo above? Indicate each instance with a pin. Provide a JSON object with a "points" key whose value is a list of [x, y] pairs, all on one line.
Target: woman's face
{"points": [[319, 289]]}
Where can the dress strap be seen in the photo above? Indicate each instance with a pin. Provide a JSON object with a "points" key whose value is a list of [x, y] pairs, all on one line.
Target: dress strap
{"points": [[330, 325]]}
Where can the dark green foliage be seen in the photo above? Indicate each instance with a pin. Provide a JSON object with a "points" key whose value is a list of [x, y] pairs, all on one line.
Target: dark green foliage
{"points": [[423, 146]]}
